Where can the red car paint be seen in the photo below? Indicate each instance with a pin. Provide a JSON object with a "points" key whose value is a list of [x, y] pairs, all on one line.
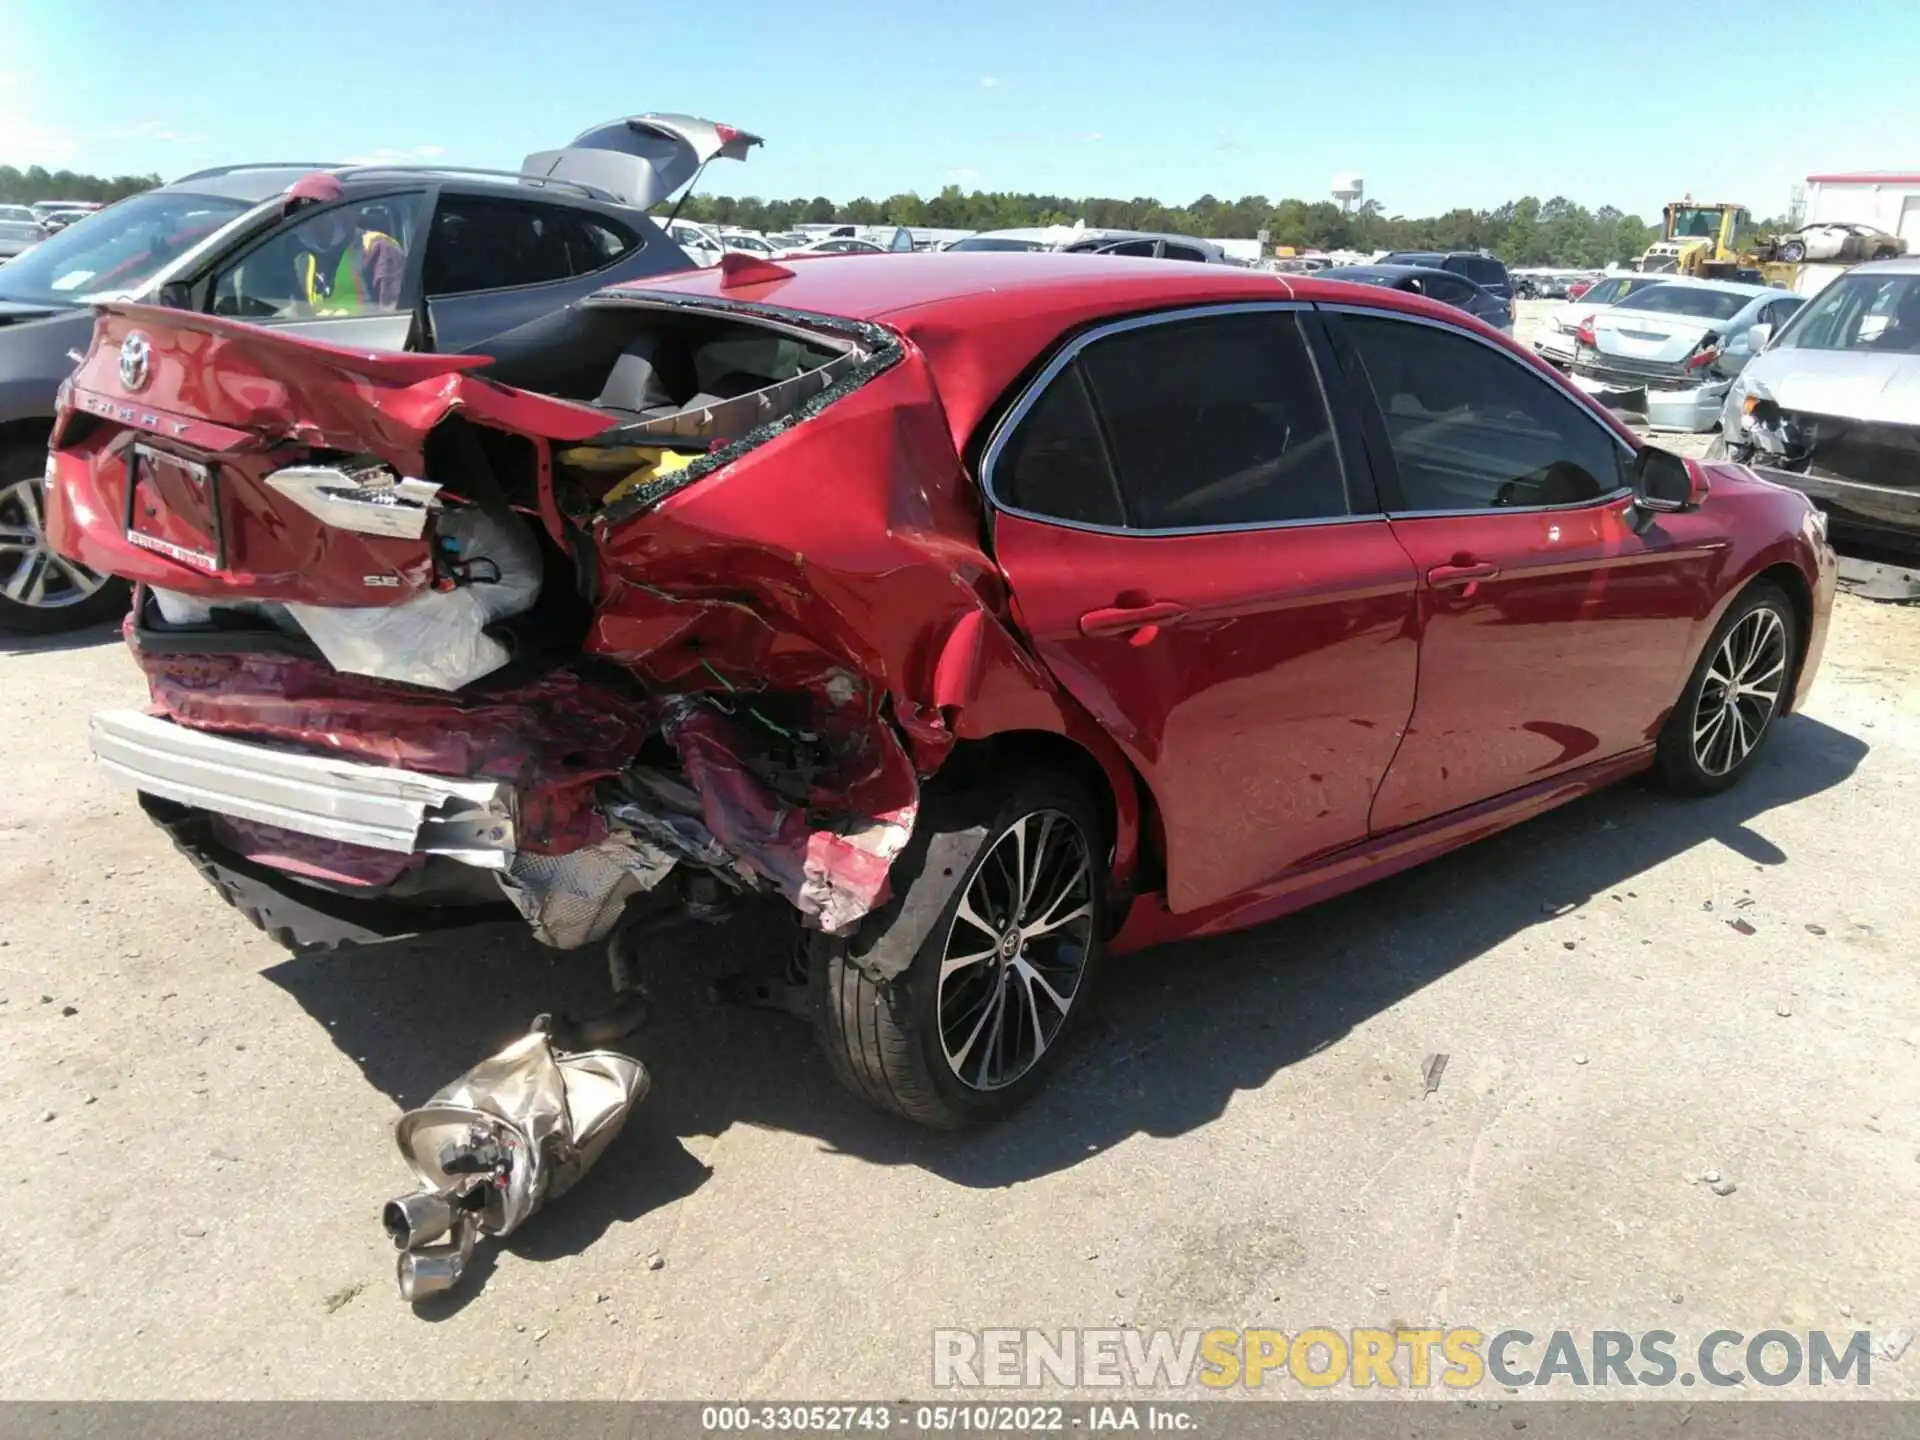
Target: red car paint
{"points": [[1280, 715]]}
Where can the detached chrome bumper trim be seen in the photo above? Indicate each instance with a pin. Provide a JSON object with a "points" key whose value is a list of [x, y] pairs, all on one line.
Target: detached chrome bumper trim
{"points": [[358, 804]]}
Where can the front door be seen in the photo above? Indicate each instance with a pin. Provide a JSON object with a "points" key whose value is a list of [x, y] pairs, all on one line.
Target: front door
{"points": [[1552, 634], [1198, 560], [346, 273]]}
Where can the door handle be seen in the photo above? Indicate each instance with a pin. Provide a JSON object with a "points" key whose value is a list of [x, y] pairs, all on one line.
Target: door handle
{"points": [[1449, 575], [1120, 619]]}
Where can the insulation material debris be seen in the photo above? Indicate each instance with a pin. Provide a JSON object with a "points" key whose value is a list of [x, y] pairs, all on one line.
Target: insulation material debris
{"points": [[437, 639]]}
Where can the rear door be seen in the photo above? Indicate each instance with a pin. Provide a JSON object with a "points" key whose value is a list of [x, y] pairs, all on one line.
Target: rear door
{"points": [[1195, 553], [1552, 634], [496, 262]]}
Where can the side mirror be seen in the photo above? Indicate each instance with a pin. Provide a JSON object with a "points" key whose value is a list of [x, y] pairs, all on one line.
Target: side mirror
{"points": [[175, 295], [1664, 483], [1758, 334]]}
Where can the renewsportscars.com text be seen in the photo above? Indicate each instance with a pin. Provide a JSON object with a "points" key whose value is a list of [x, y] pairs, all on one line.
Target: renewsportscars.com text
{"points": [[1378, 1359]]}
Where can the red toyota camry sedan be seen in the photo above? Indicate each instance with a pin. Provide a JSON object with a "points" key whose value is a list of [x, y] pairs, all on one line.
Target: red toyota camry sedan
{"points": [[994, 611]]}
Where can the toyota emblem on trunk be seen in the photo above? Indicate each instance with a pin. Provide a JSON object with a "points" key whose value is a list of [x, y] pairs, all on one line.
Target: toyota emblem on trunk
{"points": [[136, 361]]}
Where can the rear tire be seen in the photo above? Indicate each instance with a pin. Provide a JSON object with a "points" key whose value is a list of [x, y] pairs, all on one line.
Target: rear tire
{"points": [[40, 593], [1736, 692], [925, 1044]]}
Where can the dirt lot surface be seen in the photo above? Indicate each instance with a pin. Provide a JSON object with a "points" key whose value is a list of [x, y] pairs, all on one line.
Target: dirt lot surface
{"points": [[1633, 991]]}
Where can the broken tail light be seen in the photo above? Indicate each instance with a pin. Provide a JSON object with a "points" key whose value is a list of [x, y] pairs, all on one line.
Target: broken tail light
{"points": [[1585, 336], [1705, 353]]}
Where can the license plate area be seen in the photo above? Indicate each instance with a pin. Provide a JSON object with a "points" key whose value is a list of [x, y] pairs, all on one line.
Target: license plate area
{"points": [[173, 509]]}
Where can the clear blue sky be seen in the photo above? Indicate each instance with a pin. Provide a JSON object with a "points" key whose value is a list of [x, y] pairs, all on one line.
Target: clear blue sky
{"points": [[1437, 104]]}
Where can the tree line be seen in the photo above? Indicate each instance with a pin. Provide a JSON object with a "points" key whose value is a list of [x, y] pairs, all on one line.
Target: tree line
{"points": [[1529, 231], [36, 182]]}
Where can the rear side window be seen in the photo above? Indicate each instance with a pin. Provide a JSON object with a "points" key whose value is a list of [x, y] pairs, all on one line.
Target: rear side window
{"points": [[482, 243], [1182, 252], [1216, 420], [1479, 269], [1056, 464], [1449, 291], [594, 243]]}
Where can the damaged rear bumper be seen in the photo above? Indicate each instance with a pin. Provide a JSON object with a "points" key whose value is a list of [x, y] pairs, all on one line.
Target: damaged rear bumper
{"points": [[1666, 402], [375, 807]]}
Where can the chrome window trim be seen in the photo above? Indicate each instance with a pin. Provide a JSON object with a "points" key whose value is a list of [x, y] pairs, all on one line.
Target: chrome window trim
{"points": [[1611, 497], [1036, 387]]}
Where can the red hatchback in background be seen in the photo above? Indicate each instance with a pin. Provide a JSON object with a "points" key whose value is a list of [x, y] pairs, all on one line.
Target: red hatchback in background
{"points": [[995, 610]]}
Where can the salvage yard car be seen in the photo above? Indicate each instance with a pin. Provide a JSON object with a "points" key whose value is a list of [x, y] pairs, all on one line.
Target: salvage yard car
{"points": [[996, 611], [1670, 351], [483, 252], [1839, 241], [1556, 339], [1442, 285], [1832, 405]]}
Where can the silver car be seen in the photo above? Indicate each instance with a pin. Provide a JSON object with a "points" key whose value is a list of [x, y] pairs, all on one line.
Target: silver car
{"points": [[1670, 351], [20, 231], [1831, 407]]}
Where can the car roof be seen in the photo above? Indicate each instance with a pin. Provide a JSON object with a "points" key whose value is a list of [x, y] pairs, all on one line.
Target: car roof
{"points": [[982, 317], [255, 183]]}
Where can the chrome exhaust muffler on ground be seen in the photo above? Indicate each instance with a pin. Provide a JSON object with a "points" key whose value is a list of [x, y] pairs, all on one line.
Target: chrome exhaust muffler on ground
{"points": [[491, 1148]]}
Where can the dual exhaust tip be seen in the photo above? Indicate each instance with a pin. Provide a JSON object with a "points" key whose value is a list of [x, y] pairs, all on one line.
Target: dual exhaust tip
{"points": [[515, 1131]]}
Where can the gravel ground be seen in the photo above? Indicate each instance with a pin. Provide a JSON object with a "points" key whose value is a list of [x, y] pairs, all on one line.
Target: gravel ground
{"points": [[1633, 991]]}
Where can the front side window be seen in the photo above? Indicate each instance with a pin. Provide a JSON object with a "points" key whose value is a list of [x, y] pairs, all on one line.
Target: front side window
{"points": [[481, 242], [348, 259], [1473, 429]]}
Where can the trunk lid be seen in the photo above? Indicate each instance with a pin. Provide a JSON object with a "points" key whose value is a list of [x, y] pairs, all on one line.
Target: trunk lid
{"points": [[642, 159], [227, 461], [1641, 335]]}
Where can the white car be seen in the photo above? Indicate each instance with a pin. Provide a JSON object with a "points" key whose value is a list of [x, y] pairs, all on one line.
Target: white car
{"points": [[749, 242], [837, 245], [1840, 242], [701, 242], [1555, 341]]}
